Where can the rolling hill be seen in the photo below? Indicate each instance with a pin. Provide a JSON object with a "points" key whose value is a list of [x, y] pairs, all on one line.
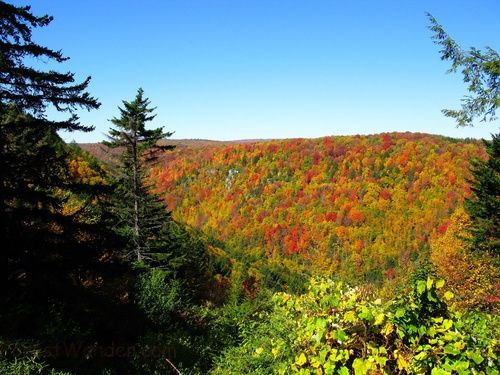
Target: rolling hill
{"points": [[355, 207]]}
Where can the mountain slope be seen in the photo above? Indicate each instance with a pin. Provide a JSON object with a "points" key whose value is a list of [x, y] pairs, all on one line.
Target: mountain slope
{"points": [[357, 207]]}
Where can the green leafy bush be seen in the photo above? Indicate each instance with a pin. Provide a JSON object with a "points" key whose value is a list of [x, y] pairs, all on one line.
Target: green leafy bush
{"points": [[336, 329], [159, 295]]}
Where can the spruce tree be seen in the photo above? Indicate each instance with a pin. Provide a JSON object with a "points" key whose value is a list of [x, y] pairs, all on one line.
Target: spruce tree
{"points": [[483, 206], [141, 214], [47, 252]]}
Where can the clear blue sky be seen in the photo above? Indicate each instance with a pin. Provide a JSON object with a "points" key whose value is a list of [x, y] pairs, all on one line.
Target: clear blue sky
{"points": [[249, 69]]}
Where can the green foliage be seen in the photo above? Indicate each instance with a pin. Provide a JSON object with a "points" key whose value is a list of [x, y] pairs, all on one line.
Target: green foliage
{"points": [[480, 71], [336, 329], [140, 144], [159, 295], [182, 299], [47, 254], [24, 358]]}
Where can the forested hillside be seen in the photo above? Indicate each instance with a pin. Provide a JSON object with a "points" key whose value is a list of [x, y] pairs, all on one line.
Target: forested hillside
{"points": [[141, 255], [357, 207]]}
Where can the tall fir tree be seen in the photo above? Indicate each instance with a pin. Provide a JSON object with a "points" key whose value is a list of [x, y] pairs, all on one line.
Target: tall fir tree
{"points": [[142, 215], [33, 90]]}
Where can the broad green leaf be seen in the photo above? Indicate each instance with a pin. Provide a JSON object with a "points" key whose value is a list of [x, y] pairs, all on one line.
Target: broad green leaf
{"points": [[439, 371], [421, 287], [440, 284], [340, 335], [420, 356], [450, 349], [430, 296], [361, 366], [447, 323], [431, 331], [380, 360], [329, 369], [315, 362], [365, 314], [476, 357]]}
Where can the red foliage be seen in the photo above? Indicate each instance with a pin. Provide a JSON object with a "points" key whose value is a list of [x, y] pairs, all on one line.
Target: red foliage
{"points": [[385, 194], [331, 216], [442, 228], [390, 274]]}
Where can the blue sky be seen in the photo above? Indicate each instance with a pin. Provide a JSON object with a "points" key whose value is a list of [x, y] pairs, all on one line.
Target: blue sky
{"points": [[259, 69]]}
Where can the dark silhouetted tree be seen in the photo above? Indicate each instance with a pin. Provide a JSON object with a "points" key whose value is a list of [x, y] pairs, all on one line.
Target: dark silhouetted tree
{"points": [[26, 158]]}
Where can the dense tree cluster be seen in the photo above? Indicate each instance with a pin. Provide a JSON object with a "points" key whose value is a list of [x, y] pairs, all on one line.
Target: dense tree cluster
{"points": [[355, 207]]}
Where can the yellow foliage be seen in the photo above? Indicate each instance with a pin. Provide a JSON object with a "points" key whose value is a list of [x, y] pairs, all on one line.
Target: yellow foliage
{"points": [[469, 276], [80, 171]]}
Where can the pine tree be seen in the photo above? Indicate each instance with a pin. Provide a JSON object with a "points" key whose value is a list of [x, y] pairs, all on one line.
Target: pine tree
{"points": [[141, 213]]}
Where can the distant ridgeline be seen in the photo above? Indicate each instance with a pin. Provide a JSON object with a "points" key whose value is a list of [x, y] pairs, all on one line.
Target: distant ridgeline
{"points": [[355, 207]]}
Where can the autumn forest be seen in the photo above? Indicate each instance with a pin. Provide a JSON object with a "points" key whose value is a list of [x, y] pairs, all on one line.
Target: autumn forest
{"points": [[362, 207], [141, 254]]}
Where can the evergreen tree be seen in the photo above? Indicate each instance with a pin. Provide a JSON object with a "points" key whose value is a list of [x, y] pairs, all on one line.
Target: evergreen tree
{"points": [[481, 71], [141, 213], [483, 206], [27, 164], [33, 160]]}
